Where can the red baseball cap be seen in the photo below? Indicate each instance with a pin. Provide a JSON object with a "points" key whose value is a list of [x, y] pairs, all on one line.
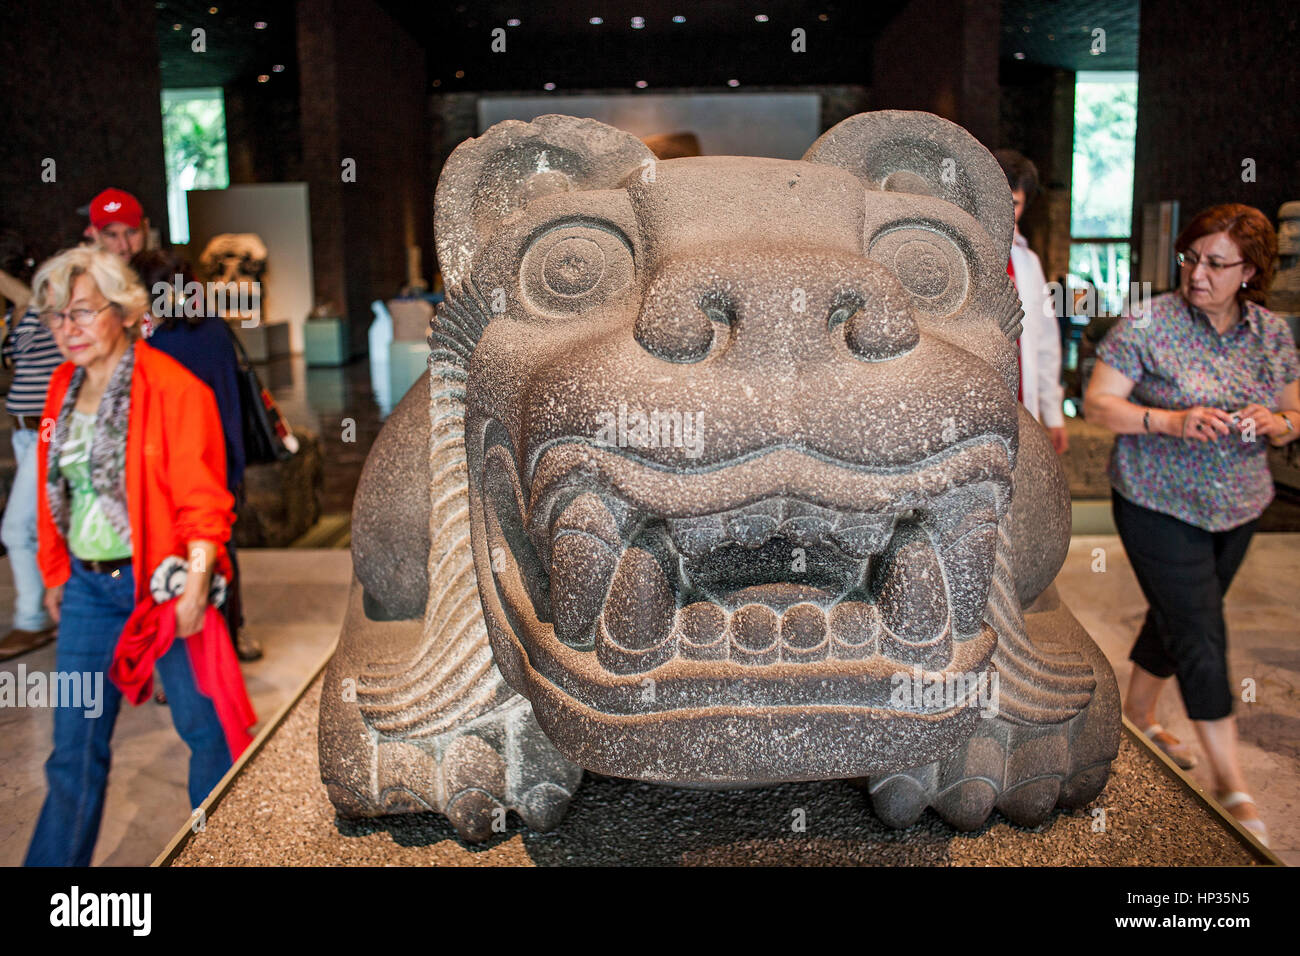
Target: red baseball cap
{"points": [[115, 205]]}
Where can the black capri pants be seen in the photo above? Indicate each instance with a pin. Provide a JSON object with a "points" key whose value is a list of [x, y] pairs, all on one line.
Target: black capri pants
{"points": [[1184, 572]]}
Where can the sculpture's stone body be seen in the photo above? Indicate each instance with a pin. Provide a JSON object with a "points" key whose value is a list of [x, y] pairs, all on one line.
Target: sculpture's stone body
{"points": [[729, 482]]}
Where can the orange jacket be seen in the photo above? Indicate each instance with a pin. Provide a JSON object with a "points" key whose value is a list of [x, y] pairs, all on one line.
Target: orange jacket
{"points": [[175, 470]]}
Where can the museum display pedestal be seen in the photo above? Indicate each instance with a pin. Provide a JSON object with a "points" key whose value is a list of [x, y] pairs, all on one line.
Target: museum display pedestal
{"points": [[265, 341], [326, 342], [274, 811]]}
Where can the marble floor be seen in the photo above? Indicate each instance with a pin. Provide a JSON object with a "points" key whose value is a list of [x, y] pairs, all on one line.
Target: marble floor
{"points": [[295, 603]]}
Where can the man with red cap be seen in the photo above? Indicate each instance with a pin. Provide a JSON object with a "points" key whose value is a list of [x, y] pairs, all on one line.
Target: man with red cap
{"points": [[117, 223]]}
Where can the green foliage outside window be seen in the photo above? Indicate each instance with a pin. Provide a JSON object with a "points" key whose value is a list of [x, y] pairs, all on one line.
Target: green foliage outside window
{"points": [[194, 149]]}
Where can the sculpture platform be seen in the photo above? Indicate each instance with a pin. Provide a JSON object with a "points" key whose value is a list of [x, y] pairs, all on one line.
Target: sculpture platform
{"points": [[275, 812]]}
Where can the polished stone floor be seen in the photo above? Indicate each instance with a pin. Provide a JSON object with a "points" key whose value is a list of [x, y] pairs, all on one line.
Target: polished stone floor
{"points": [[296, 601]]}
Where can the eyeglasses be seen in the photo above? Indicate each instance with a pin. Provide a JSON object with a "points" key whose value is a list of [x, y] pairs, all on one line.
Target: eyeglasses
{"points": [[53, 320], [1191, 260]]}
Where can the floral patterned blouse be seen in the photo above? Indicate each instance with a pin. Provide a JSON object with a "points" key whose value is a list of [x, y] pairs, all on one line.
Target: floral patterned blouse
{"points": [[1178, 359]]}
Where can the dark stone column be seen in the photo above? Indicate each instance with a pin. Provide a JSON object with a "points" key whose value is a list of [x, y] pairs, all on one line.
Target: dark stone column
{"points": [[81, 86], [941, 56], [1211, 94]]}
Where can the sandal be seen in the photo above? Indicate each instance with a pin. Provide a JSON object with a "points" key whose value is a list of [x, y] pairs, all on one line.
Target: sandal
{"points": [[1235, 799], [1173, 748]]}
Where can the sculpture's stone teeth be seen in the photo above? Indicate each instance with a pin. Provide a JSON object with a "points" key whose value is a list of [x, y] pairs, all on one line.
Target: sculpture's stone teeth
{"points": [[969, 563], [912, 600], [755, 634], [751, 529], [695, 537], [804, 633], [861, 536], [854, 627], [637, 620], [960, 511], [597, 516], [582, 567], [702, 631], [806, 530]]}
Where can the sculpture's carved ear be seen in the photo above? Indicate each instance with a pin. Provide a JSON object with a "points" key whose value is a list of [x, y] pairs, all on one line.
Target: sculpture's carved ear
{"points": [[487, 178], [913, 152]]}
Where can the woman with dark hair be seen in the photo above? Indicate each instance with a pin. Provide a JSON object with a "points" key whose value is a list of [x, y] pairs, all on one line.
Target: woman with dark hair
{"points": [[200, 341], [1192, 390]]}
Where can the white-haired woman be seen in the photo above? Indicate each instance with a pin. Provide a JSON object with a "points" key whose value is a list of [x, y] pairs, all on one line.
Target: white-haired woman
{"points": [[131, 472]]}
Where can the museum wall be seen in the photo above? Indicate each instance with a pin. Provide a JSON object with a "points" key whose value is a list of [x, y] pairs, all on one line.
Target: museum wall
{"points": [[1202, 111], [59, 100]]}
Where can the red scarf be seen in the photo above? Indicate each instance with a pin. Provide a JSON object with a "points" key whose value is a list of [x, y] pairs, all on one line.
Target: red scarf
{"points": [[149, 634]]}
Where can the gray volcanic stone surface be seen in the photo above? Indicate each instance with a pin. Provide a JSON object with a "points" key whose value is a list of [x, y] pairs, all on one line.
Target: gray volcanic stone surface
{"points": [[726, 484], [277, 814], [390, 520]]}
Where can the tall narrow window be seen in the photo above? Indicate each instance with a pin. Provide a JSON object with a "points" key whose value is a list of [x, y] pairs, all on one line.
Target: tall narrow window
{"points": [[194, 149], [1101, 200]]}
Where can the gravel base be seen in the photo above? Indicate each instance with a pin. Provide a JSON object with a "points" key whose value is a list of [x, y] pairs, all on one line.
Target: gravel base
{"points": [[277, 814]]}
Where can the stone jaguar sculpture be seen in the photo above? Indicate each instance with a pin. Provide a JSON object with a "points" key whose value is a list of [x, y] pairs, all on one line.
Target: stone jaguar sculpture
{"points": [[717, 478]]}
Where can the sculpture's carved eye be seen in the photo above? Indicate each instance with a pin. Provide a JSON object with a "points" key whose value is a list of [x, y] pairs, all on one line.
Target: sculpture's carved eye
{"points": [[928, 263], [575, 266]]}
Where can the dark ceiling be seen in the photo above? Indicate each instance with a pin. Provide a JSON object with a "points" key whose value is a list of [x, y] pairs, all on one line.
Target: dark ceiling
{"points": [[236, 49], [1053, 33], [718, 42]]}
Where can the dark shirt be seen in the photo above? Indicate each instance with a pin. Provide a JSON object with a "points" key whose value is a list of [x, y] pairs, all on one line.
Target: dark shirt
{"points": [[205, 349]]}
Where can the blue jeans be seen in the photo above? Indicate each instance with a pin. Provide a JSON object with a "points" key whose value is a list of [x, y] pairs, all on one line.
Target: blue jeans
{"points": [[19, 535], [95, 608]]}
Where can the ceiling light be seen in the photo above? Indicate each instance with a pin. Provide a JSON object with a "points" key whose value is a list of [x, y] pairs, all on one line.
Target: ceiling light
{"points": [[822, 17], [679, 19], [548, 86], [278, 68], [761, 17], [733, 82], [512, 22], [212, 10], [641, 84], [176, 26], [259, 25], [264, 78], [460, 74], [596, 21], [638, 23], [1018, 56]]}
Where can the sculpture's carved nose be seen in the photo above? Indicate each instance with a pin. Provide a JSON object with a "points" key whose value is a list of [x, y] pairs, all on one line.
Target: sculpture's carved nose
{"points": [[699, 306]]}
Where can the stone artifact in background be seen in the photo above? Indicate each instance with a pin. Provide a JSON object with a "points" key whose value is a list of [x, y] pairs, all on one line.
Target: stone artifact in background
{"points": [[233, 265], [718, 478]]}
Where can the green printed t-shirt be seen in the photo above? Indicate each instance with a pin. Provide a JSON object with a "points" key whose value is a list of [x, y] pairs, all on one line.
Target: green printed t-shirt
{"points": [[91, 537]]}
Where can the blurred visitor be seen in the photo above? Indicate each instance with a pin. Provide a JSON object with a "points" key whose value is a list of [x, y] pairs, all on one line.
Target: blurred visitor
{"points": [[29, 349], [1193, 389], [131, 476], [201, 342], [1039, 353], [117, 223]]}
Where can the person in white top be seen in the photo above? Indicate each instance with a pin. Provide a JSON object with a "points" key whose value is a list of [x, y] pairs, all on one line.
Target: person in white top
{"points": [[1040, 342]]}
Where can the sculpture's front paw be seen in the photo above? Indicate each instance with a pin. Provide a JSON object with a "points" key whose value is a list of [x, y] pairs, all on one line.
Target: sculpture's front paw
{"points": [[1022, 770]]}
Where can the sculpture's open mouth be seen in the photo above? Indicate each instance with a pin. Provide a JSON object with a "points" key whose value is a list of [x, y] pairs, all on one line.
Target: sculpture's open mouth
{"points": [[777, 564]]}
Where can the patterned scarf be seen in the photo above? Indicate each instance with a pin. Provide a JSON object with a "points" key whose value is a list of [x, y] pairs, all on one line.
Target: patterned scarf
{"points": [[107, 450]]}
